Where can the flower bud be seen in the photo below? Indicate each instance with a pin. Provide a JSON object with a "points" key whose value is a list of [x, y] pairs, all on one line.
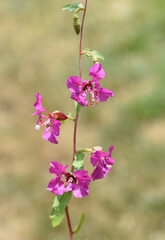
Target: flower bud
{"points": [[76, 23], [59, 116]]}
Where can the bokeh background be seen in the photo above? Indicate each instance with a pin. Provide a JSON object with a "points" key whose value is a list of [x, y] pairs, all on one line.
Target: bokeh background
{"points": [[38, 52]]}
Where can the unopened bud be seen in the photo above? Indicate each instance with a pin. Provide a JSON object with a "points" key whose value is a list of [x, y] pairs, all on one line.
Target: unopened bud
{"points": [[76, 23], [59, 116]]}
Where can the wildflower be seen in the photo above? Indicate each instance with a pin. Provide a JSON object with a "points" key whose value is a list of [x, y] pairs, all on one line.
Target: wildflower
{"points": [[52, 121], [77, 182], [103, 162], [81, 90]]}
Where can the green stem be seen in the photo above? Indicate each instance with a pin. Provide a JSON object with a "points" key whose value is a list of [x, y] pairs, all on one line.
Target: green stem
{"points": [[85, 150]]}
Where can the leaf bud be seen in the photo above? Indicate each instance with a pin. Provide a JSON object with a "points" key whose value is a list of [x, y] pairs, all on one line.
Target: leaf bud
{"points": [[76, 23]]}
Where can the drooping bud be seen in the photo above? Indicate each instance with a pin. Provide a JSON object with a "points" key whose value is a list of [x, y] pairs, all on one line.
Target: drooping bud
{"points": [[76, 23], [59, 116]]}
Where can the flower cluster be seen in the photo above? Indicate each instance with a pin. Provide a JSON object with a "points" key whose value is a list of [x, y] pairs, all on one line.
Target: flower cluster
{"points": [[78, 181], [83, 90], [52, 121]]}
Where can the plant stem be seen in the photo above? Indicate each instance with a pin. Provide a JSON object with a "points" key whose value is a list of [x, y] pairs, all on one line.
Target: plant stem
{"points": [[69, 223], [81, 34], [76, 118], [90, 150], [80, 50]]}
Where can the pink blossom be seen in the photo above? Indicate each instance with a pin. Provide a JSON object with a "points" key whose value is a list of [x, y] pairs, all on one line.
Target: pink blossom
{"points": [[103, 162], [77, 182], [52, 121], [84, 91]]}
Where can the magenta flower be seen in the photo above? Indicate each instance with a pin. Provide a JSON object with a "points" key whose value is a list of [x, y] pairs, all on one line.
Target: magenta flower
{"points": [[83, 90], [52, 121], [77, 182], [103, 162]]}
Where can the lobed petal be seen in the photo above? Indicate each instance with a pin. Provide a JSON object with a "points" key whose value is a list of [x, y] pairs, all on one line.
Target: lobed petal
{"points": [[37, 105], [56, 186], [80, 191], [82, 177], [51, 133], [100, 171], [73, 84], [97, 72], [57, 168], [104, 94]]}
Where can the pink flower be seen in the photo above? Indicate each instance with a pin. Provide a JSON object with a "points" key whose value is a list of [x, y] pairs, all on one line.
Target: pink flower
{"points": [[52, 121], [77, 182], [84, 90], [103, 162]]}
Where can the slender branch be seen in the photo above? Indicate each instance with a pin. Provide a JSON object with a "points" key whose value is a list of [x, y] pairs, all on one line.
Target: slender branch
{"points": [[76, 118], [80, 49], [81, 34], [69, 223]]}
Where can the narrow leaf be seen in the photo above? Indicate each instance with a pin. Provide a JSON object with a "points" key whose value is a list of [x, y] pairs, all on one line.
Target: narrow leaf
{"points": [[95, 54], [60, 203], [77, 229], [78, 163], [57, 219], [73, 7]]}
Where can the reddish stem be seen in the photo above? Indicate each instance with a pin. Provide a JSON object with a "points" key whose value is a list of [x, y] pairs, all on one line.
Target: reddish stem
{"points": [[76, 119], [80, 50], [69, 223], [81, 34]]}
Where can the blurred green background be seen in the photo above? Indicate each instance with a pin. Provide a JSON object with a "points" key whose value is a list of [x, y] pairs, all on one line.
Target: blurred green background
{"points": [[38, 52]]}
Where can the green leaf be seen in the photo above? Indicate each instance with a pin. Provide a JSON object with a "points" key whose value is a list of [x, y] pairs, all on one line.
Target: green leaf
{"points": [[60, 203], [78, 163], [57, 219], [74, 7], [77, 107], [90, 52], [77, 229]]}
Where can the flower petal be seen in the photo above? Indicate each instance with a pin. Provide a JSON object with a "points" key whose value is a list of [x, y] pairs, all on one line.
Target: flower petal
{"points": [[51, 133], [104, 94], [73, 84], [80, 191], [97, 72], [37, 105], [57, 168], [56, 186], [100, 171]]}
